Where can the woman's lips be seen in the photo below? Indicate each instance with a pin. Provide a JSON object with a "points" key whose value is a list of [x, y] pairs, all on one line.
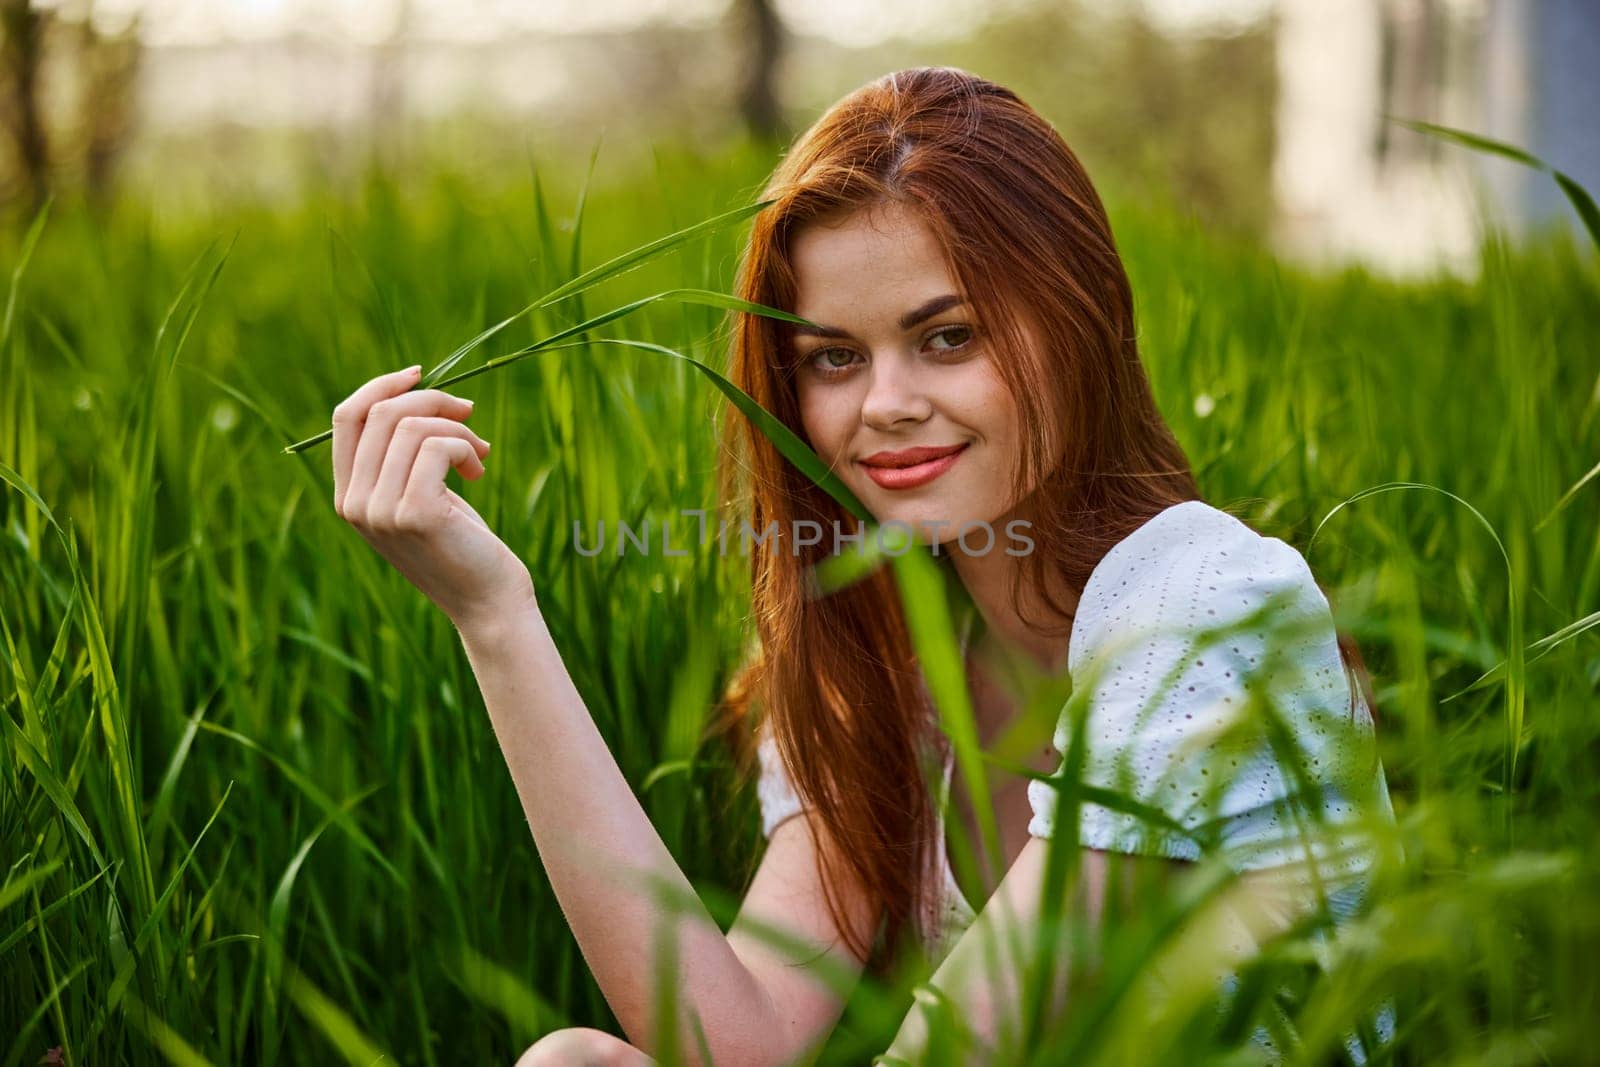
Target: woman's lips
{"points": [[911, 477]]}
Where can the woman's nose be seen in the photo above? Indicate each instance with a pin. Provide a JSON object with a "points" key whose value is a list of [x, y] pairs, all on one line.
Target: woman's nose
{"points": [[896, 393]]}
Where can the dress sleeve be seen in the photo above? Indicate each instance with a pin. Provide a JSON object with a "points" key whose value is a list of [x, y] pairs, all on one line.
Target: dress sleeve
{"points": [[774, 790], [1217, 712]]}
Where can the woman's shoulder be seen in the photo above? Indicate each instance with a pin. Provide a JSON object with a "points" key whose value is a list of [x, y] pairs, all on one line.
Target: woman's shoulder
{"points": [[1192, 566], [1193, 633], [1190, 528]]}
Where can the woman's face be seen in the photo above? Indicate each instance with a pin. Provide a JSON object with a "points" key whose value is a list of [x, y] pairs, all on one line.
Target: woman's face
{"points": [[904, 366]]}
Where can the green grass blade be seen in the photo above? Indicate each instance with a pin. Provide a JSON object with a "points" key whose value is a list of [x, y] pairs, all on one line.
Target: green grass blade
{"points": [[922, 585], [26, 254], [576, 256], [10, 941], [785, 440], [1576, 194], [127, 961], [14, 888], [1566, 498], [278, 909], [627, 261], [318, 797], [527, 1013], [50, 1001], [1540, 648], [843, 569], [335, 1024], [1515, 674], [1471, 140], [33, 760], [644, 253], [172, 1044], [686, 296], [1582, 203]]}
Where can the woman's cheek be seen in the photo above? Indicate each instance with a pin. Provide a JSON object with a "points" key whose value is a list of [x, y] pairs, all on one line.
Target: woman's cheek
{"points": [[832, 423]]}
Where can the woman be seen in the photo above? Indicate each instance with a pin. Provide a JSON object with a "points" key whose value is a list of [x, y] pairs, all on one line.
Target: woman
{"points": [[972, 365]]}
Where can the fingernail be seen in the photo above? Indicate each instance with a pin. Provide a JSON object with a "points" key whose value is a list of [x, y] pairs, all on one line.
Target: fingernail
{"points": [[414, 370]]}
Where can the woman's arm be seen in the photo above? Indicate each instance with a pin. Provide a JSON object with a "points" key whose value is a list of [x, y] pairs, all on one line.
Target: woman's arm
{"points": [[602, 854], [392, 447], [980, 977]]}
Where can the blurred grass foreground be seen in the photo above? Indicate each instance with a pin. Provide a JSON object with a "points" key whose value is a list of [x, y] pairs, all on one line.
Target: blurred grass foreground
{"points": [[251, 809]]}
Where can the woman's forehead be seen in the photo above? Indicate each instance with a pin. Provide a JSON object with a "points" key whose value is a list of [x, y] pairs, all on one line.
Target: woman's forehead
{"points": [[857, 271], [876, 229]]}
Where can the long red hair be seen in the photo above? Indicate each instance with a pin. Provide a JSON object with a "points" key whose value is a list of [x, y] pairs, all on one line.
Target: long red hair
{"points": [[1026, 236]]}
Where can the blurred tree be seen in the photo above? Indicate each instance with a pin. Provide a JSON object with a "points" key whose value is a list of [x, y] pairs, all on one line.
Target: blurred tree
{"points": [[1187, 117], [108, 65], [387, 96], [67, 100], [758, 23], [20, 55], [1190, 116]]}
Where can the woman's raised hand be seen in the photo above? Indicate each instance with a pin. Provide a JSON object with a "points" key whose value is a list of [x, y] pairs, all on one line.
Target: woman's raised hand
{"points": [[392, 447]]}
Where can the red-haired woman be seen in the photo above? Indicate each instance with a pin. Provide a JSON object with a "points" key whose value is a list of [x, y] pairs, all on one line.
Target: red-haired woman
{"points": [[974, 377]]}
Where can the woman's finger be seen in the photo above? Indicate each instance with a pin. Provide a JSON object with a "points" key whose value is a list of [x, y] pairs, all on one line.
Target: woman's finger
{"points": [[350, 414], [459, 501], [409, 435], [381, 420], [425, 489]]}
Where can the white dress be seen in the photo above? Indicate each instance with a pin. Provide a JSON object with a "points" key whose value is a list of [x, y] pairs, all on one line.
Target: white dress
{"points": [[1177, 627]]}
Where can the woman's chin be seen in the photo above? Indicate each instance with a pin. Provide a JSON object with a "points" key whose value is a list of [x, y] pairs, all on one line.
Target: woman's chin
{"points": [[930, 529]]}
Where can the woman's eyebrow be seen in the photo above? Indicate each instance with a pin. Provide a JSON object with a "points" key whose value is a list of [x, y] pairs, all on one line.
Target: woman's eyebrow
{"points": [[907, 321]]}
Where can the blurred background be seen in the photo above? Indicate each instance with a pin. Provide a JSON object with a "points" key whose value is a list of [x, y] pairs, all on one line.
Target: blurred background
{"points": [[1265, 116], [251, 807]]}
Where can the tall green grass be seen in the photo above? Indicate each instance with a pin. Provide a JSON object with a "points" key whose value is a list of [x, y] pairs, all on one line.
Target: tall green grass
{"points": [[250, 806]]}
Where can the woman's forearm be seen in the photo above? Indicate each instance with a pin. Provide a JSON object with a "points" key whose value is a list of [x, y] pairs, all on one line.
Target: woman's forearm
{"points": [[596, 844]]}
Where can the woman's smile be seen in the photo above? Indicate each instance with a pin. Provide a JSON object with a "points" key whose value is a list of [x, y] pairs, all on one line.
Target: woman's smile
{"points": [[912, 467]]}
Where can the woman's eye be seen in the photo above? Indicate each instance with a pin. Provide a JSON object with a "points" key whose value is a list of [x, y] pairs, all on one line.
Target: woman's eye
{"points": [[957, 336], [832, 359]]}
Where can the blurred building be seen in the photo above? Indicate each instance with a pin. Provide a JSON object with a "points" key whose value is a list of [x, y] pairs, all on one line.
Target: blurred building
{"points": [[1351, 185]]}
